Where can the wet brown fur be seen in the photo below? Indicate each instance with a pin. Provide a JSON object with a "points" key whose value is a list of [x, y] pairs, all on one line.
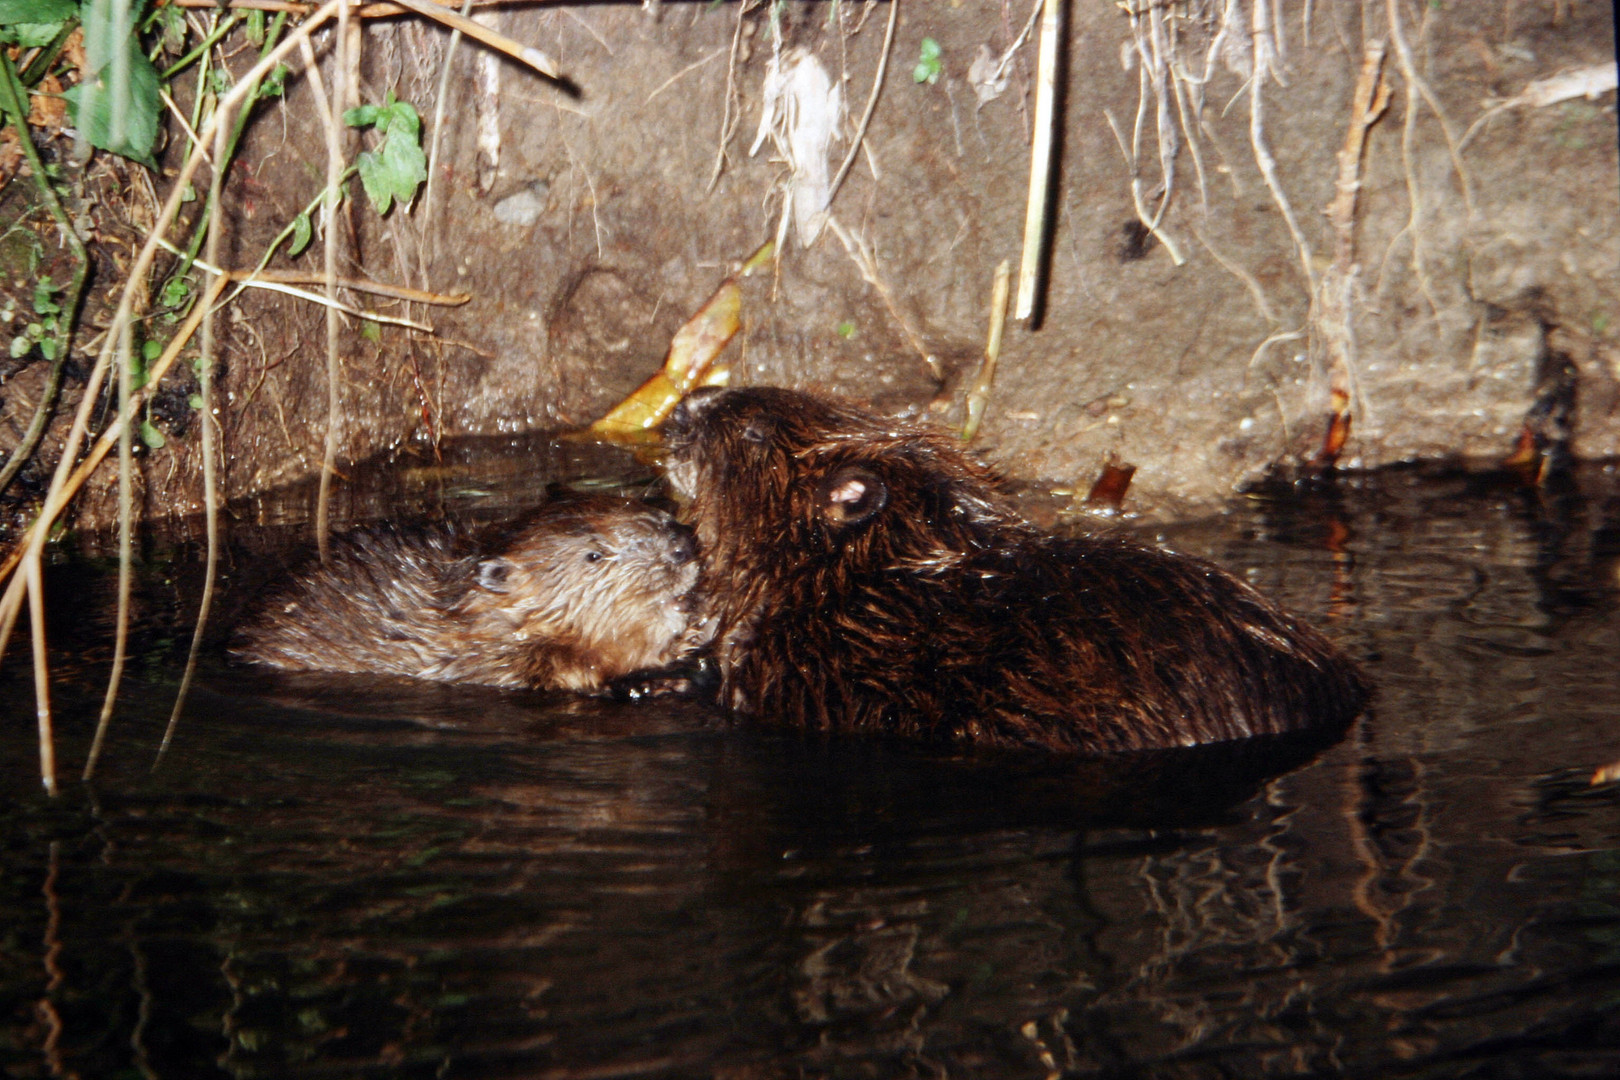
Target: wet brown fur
{"points": [[583, 591], [866, 575]]}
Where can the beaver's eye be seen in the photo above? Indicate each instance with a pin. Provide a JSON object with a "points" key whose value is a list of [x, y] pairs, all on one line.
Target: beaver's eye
{"points": [[755, 432], [593, 556]]}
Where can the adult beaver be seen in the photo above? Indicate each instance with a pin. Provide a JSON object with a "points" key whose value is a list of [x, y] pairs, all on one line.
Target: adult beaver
{"points": [[583, 591], [866, 575]]}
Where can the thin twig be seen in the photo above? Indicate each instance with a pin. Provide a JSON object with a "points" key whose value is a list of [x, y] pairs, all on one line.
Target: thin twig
{"points": [[42, 681], [728, 121], [978, 395], [871, 102], [324, 301], [673, 79], [14, 106], [210, 468], [185, 125], [263, 278], [56, 500]]}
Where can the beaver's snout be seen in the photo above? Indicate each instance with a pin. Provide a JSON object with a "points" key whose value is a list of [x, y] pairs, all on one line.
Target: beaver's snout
{"points": [[681, 426], [683, 546]]}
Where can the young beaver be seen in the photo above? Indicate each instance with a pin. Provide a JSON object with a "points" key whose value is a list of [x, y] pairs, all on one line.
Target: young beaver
{"points": [[581, 592], [866, 575]]}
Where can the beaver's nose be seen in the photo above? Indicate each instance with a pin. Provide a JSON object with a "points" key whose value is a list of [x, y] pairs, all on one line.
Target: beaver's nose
{"points": [[683, 547], [692, 407]]}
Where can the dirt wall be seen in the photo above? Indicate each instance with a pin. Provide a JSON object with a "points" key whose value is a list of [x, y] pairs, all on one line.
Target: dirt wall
{"points": [[1483, 248]]}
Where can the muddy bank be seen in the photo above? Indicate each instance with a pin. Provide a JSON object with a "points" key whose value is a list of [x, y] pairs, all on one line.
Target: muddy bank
{"points": [[1478, 277]]}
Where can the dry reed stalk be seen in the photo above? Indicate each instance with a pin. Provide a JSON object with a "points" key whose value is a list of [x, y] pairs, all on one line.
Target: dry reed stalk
{"points": [[216, 226], [978, 395], [334, 184], [1040, 162], [126, 529], [524, 54]]}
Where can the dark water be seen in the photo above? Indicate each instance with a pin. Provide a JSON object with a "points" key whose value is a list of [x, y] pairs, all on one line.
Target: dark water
{"points": [[331, 877]]}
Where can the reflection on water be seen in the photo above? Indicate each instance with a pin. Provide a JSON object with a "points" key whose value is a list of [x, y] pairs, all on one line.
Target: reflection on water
{"points": [[338, 877]]}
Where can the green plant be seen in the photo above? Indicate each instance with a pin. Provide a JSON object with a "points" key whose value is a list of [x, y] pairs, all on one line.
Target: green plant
{"points": [[398, 167], [929, 64], [115, 105], [45, 330]]}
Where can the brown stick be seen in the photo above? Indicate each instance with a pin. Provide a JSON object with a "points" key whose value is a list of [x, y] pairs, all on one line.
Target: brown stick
{"points": [[1370, 100]]}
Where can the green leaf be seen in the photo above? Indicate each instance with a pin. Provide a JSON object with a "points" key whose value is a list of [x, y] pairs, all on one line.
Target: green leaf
{"points": [[928, 62], [173, 20], [151, 350], [43, 291], [195, 401], [116, 107], [255, 27], [151, 436], [47, 348], [302, 232], [176, 291], [36, 11], [20, 345], [362, 116], [30, 35], [371, 330], [846, 329], [275, 83], [398, 167]]}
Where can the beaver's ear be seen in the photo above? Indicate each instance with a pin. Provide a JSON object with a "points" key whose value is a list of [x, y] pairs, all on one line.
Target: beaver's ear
{"points": [[852, 495], [492, 574]]}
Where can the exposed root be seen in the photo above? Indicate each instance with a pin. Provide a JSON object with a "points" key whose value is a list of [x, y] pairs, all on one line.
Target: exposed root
{"points": [[866, 262], [1264, 55], [426, 204], [730, 112], [1403, 54], [871, 104], [1261, 302], [1138, 194]]}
